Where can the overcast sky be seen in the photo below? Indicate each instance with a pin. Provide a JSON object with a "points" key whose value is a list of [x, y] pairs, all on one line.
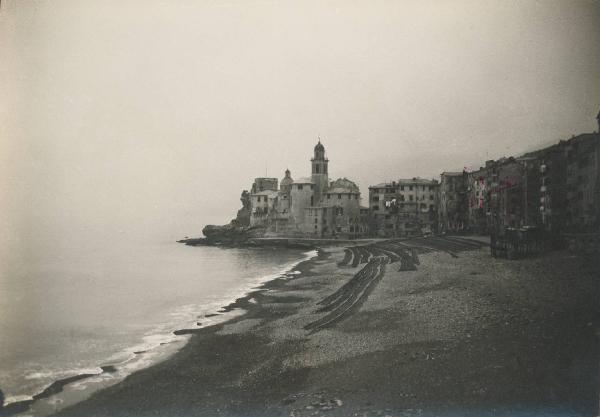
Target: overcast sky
{"points": [[151, 116]]}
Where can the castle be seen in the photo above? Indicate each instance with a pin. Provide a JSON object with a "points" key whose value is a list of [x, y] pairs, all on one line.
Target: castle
{"points": [[308, 207]]}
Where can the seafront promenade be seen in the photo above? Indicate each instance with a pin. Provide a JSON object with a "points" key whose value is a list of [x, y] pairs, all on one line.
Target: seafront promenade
{"points": [[414, 327]]}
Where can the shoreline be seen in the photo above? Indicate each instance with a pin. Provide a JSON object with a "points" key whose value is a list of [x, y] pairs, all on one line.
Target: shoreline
{"points": [[464, 335], [276, 242], [222, 314]]}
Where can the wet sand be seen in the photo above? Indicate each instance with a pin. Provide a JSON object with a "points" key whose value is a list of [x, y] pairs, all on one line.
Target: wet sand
{"points": [[463, 334]]}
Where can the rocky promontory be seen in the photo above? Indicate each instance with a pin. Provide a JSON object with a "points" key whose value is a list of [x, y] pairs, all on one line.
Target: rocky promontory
{"points": [[235, 233]]}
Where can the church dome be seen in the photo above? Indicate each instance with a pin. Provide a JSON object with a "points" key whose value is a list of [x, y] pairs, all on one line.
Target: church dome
{"points": [[319, 147], [287, 180], [343, 185]]}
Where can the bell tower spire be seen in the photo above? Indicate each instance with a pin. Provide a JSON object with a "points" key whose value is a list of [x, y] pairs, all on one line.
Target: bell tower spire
{"points": [[319, 170]]}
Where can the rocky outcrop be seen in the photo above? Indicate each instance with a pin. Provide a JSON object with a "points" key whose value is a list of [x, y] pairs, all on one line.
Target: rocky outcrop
{"points": [[231, 234], [237, 232], [243, 214]]}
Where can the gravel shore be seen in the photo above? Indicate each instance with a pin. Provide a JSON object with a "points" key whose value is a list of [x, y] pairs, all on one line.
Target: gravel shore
{"points": [[462, 335]]}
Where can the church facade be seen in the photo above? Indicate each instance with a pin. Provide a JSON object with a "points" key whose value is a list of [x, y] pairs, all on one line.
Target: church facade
{"points": [[308, 207]]}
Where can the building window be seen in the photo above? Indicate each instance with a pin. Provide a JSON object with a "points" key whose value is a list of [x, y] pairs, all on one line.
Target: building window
{"points": [[410, 198], [375, 198], [316, 220], [431, 197], [375, 207], [328, 196], [410, 188], [316, 169], [339, 196], [299, 187], [402, 188]]}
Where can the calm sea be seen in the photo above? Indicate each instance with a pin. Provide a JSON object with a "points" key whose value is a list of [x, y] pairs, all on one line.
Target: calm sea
{"points": [[67, 311]]}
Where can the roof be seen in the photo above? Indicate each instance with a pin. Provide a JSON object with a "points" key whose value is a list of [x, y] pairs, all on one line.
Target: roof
{"points": [[342, 190], [584, 137], [343, 185], [411, 181], [269, 193], [305, 180], [453, 173]]}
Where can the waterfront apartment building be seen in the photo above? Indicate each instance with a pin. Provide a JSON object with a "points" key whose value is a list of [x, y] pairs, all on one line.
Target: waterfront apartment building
{"points": [[582, 212], [406, 207], [556, 188], [452, 213]]}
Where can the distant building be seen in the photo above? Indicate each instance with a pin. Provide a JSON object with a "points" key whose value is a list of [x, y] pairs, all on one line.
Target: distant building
{"points": [[583, 183], [406, 207], [264, 184], [555, 188], [309, 207], [514, 196], [478, 189], [453, 208]]}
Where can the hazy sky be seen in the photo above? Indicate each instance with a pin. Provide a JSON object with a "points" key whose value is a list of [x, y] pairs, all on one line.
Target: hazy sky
{"points": [[148, 118]]}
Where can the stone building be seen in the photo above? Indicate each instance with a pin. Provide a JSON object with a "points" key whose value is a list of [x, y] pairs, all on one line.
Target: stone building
{"points": [[556, 188], [504, 193], [406, 207], [453, 202], [582, 212], [513, 198], [308, 207], [478, 187], [264, 184]]}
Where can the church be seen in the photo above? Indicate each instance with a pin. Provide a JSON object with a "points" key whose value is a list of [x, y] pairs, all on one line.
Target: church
{"points": [[308, 207]]}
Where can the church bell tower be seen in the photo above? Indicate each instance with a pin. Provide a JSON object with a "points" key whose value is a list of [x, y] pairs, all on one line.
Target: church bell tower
{"points": [[319, 171]]}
